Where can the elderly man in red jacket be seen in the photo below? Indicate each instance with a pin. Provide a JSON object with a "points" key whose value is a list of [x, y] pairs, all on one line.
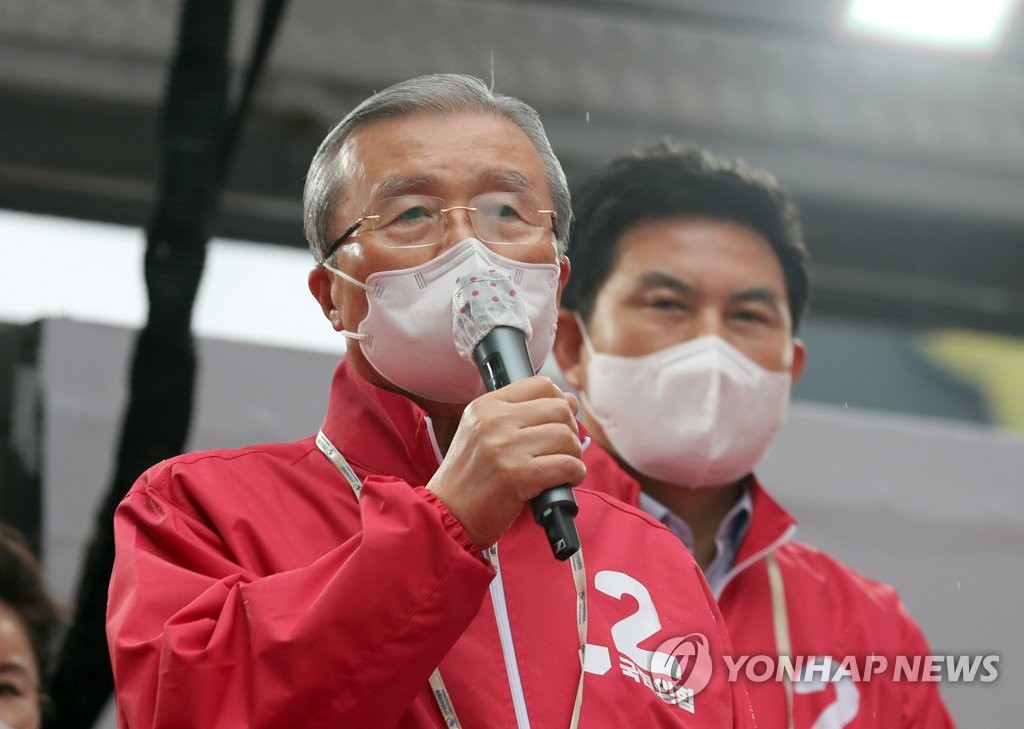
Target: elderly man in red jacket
{"points": [[679, 331], [385, 572]]}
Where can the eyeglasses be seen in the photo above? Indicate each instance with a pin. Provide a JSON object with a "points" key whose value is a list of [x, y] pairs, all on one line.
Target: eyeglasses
{"points": [[409, 221]]}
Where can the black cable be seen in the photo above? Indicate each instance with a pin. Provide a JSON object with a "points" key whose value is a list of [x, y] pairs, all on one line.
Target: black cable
{"points": [[270, 21], [197, 146]]}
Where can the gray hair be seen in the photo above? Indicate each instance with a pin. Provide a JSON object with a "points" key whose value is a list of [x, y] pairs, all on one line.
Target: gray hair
{"points": [[434, 94]]}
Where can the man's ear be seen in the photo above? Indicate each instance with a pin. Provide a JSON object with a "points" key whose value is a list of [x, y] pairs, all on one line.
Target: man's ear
{"points": [[564, 269], [320, 283], [799, 359], [568, 349]]}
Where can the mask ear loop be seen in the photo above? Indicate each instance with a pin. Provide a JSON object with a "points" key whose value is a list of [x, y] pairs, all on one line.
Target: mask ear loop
{"points": [[583, 331], [342, 274], [358, 336], [584, 400]]}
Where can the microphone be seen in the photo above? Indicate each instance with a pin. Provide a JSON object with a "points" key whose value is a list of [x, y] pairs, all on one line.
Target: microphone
{"points": [[494, 328]]}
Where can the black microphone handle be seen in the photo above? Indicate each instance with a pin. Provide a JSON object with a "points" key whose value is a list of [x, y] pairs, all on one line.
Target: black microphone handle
{"points": [[502, 358]]}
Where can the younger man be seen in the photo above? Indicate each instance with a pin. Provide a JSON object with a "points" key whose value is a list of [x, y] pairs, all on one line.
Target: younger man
{"points": [[690, 276]]}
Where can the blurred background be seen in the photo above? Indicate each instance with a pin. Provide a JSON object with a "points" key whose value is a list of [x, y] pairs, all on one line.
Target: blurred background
{"points": [[904, 147]]}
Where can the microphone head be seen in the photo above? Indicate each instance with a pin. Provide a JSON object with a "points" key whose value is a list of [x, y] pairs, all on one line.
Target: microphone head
{"points": [[481, 301]]}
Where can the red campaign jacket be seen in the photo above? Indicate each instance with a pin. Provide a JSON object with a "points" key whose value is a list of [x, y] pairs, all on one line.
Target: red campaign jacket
{"points": [[252, 589], [833, 612]]}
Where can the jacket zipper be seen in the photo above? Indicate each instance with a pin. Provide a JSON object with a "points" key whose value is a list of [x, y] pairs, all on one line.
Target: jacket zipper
{"points": [[737, 568], [508, 650]]}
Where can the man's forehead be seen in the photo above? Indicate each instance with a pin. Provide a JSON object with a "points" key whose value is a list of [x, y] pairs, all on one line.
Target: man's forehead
{"points": [[443, 132], [690, 285], [506, 179], [692, 247]]}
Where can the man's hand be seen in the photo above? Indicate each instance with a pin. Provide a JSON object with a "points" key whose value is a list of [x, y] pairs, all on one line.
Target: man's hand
{"points": [[510, 445]]}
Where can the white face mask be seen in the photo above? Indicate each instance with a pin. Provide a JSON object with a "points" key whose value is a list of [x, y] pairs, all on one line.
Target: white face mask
{"points": [[699, 413], [408, 333]]}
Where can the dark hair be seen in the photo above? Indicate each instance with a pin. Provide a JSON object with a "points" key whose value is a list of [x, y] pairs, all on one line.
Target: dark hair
{"points": [[669, 180], [23, 591]]}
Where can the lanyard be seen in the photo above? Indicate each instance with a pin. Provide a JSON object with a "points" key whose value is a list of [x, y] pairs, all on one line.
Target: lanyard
{"points": [[781, 621], [437, 687]]}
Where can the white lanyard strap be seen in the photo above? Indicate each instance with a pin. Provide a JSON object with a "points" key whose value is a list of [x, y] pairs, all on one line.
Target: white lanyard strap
{"points": [[579, 578], [780, 618], [335, 457], [437, 687], [444, 700]]}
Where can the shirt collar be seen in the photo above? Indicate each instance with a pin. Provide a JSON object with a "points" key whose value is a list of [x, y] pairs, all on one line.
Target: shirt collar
{"points": [[728, 537]]}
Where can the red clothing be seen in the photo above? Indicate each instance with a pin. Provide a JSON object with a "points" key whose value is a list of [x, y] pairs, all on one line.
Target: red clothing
{"points": [[832, 612], [252, 589]]}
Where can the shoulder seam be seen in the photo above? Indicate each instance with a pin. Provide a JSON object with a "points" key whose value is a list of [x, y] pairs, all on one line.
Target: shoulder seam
{"points": [[161, 473], [621, 506]]}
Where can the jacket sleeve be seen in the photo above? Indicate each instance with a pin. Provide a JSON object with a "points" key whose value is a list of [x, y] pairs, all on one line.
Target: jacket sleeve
{"points": [[349, 640]]}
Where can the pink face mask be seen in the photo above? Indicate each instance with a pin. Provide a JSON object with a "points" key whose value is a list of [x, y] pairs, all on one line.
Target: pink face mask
{"points": [[408, 334], [700, 413]]}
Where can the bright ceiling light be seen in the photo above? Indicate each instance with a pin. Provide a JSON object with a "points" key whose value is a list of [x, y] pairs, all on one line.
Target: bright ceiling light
{"points": [[970, 25]]}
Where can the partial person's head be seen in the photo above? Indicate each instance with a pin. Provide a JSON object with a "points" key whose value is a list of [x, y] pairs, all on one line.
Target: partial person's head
{"points": [[690, 273], [441, 175], [28, 620]]}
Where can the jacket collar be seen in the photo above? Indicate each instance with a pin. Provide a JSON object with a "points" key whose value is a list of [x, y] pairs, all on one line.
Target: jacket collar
{"points": [[770, 527], [380, 431], [604, 474]]}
